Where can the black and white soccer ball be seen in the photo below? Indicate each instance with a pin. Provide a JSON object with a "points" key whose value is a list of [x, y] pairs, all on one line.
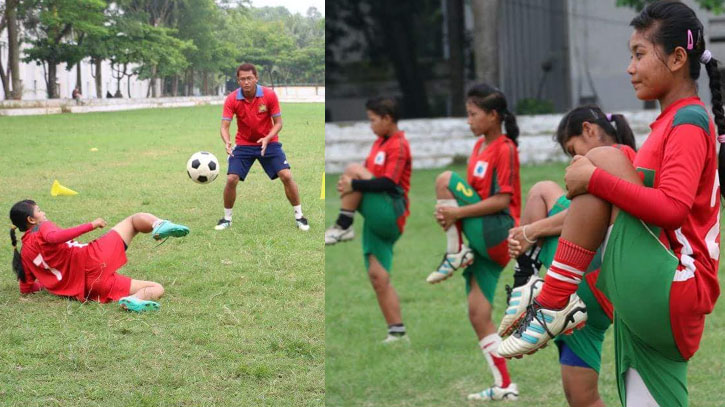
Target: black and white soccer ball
{"points": [[202, 167]]}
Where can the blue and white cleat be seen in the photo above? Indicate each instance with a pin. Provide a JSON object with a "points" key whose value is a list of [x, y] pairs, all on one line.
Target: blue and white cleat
{"points": [[132, 303], [166, 229], [450, 263], [518, 299], [539, 325], [492, 393]]}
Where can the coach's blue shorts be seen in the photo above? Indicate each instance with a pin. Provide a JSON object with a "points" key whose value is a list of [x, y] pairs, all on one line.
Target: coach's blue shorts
{"points": [[243, 157]]}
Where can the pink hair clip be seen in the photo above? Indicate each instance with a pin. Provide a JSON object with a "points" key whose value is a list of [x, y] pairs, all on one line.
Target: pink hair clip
{"points": [[609, 117], [690, 42]]}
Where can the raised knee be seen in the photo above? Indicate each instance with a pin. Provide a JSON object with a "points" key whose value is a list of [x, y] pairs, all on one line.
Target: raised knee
{"points": [[353, 169], [443, 179], [232, 180], [159, 289], [603, 154]]}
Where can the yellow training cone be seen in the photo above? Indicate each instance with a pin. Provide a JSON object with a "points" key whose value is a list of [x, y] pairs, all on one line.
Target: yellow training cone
{"points": [[322, 194], [58, 189]]}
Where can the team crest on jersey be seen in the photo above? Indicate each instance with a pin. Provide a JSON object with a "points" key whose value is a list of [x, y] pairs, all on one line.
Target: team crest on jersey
{"points": [[380, 158], [480, 169], [262, 108]]}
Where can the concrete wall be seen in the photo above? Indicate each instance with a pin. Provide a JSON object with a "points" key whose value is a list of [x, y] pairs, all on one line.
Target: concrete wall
{"points": [[289, 94], [435, 143]]}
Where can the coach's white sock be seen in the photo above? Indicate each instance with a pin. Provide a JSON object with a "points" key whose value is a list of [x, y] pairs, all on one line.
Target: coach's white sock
{"points": [[298, 211], [497, 364], [453, 233], [227, 214]]}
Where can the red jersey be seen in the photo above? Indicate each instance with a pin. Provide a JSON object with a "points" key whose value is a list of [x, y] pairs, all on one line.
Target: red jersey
{"points": [[390, 158], [51, 256], [627, 150], [678, 164], [254, 119], [495, 170]]}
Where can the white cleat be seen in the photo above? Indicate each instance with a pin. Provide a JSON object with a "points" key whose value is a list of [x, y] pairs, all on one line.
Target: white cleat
{"points": [[396, 339], [450, 263], [518, 299], [335, 234], [539, 325], [302, 224], [223, 224], [509, 393]]}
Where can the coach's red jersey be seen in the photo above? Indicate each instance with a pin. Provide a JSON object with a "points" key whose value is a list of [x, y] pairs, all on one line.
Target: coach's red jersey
{"points": [[494, 169], [57, 265], [678, 163], [390, 158], [254, 119]]}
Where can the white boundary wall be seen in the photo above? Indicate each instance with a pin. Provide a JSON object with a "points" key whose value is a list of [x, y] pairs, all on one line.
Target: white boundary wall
{"points": [[435, 142]]}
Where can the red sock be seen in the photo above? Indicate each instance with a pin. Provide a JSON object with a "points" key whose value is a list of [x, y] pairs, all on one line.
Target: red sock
{"points": [[564, 275], [497, 364]]}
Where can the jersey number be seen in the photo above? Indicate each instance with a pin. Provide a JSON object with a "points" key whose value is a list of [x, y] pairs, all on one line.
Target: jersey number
{"points": [[468, 192], [39, 260]]}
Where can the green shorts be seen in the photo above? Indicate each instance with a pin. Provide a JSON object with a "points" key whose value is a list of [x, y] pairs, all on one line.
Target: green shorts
{"points": [[635, 262], [587, 342], [380, 230], [486, 235]]}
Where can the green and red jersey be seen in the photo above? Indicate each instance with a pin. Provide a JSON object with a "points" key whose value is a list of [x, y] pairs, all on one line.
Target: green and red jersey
{"points": [[678, 165], [494, 169], [254, 118], [390, 158]]}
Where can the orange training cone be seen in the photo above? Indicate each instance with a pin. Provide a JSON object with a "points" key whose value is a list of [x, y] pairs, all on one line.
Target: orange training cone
{"points": [[58, 189]]}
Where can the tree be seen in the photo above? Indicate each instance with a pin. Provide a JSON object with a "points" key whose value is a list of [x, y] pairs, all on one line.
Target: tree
{"points": [[715, 6], [11, 76], [485, 40], [52, 23]]}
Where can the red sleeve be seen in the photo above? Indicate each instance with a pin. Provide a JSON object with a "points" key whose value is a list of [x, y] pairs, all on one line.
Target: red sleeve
{"points": [[668, 204], [228, 112], [395, 158], [54, 235], [273, 104], [505, 163]]}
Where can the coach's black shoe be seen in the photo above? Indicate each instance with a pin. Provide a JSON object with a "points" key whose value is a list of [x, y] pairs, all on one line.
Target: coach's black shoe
{"points": [[302, 224], [223, 224]]}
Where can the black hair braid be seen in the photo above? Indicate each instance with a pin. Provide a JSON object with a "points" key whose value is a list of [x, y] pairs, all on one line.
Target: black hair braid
{"points": [[17, 262], [717, 110], [623, 133], [512, 128]]}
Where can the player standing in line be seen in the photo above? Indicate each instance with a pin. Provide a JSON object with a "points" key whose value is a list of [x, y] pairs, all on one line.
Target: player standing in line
{"points": [[50, 259], [534, 242], [259, 121], [379, 191], [661, 253], [484, 209]]}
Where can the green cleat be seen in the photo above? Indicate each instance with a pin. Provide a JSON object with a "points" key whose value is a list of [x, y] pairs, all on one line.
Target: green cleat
{"points": [[132, 303], [166, 229]]}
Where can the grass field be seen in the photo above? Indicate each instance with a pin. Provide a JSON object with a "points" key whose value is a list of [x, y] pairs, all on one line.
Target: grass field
{"points": [[242, 319], [443, 363]]}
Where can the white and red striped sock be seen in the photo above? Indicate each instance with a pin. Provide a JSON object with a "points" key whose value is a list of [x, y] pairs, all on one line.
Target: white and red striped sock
{"points": [[453, 233], [497, 364], [564, 275]]}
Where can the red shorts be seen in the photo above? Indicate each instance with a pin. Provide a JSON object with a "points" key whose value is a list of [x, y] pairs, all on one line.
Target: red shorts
{"points": [[105, 255]]}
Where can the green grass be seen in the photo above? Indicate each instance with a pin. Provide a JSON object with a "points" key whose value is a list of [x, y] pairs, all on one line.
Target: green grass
{"points": [[443, 363], [242, 319]]}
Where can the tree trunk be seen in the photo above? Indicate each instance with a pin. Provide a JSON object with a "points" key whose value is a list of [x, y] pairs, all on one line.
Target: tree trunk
{"points": [[4, 79], [128, 86], [455, 63], [190, 83], [13, 50], [98, 77], [79, 83], [52, 90], [485, 40], [175, 85], [205, 83], [153, 82]]}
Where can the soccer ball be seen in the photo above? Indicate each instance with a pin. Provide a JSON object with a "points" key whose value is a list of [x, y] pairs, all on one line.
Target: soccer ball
{"points": [[202, 167]]}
